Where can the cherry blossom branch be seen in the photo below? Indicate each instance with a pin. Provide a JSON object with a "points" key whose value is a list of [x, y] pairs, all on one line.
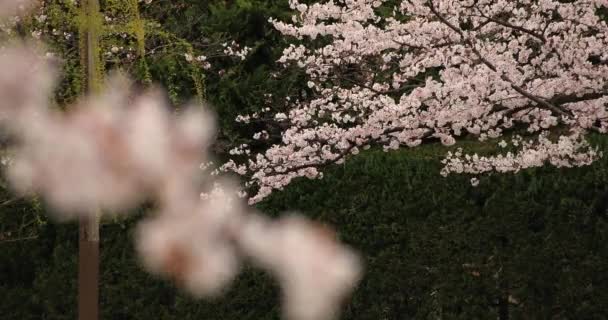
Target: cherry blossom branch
{"points": [[514, 27], [485, 61], [481, 79]]}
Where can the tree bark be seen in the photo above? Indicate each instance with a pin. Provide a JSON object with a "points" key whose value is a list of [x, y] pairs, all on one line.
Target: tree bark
{"points": [[88, 269], [88, 239]]}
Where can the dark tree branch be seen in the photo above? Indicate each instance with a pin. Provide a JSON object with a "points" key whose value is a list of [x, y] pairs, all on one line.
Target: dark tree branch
{"points": [[491, 66]]}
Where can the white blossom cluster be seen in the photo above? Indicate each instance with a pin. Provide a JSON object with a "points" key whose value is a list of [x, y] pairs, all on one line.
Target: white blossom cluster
{"points": [[112, 151], [399, 74], [568, 151], [228, 49], [233, 49], [201, 59]]}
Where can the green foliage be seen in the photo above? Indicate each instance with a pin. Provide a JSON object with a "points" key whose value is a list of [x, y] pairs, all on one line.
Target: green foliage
{"points": [[433, 248], [437, 247], [232, 87]]}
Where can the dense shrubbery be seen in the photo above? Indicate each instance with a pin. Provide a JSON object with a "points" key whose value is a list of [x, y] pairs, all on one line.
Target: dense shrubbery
{"points": [[534, 241]]}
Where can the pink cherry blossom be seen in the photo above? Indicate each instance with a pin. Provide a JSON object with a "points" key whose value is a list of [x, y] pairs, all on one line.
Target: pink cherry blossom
{"points": [[439, 70]]}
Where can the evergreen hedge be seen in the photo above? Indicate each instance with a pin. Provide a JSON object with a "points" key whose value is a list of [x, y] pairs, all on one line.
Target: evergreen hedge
{"points": [[530, 245]]}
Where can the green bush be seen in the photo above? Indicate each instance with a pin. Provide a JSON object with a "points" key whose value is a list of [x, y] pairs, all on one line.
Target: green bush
{"points": [[531, 244]]}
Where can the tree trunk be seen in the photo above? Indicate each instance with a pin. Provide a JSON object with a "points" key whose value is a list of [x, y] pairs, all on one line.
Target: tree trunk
{"points": [[88, 269], [88, 239]]}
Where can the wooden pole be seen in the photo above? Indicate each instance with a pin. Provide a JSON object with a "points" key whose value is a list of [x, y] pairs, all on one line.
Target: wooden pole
{"points": [[88, 269], [88, 237]]}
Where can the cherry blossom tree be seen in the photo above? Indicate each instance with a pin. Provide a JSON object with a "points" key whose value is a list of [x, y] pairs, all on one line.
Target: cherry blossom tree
{"points": [[402, 73]]}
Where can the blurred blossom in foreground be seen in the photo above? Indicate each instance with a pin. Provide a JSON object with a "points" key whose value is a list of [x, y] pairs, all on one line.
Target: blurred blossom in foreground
{"points": [[194, 247], [316, 273], [13, 7], [113, 151], [108, 153]]}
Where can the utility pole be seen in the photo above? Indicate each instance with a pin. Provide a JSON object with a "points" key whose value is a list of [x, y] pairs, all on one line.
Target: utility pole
{"points": [[88, 233]]}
